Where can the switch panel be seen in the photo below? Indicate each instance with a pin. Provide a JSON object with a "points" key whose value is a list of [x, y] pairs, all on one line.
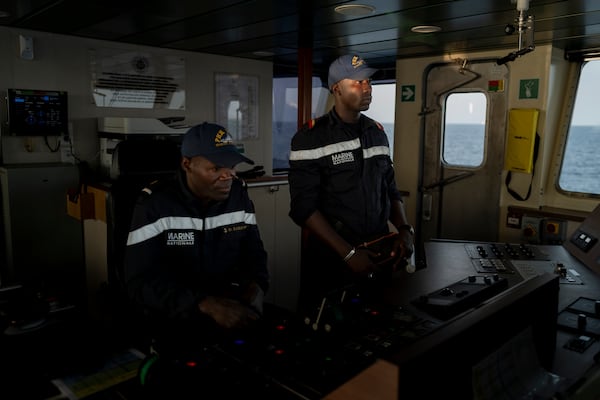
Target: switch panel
{"points": [[530, 229], [552, 231], [583, 240]]}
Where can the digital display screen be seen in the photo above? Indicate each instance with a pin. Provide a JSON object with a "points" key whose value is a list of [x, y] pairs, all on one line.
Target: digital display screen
{"points": [[37, 112]]}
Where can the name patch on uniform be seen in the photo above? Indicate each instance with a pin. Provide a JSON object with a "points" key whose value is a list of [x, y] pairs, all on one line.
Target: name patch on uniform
{"points": [[341, 158], [235, 228], [180, 238]]}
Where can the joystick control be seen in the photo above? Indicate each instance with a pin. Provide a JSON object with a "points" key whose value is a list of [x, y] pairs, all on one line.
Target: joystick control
{"points": [[460, 296]]}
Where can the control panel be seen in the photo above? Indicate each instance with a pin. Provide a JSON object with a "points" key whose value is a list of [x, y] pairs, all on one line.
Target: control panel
{"points": [[310, 358], [584, 244], [457, 298], [527, 260], [289, 356], [496, 257], [312, 355], [581, 317]]}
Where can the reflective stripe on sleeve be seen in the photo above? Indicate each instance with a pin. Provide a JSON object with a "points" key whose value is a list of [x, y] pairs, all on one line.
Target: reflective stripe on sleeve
{"points": [[376, 151], [188, 223], [320, 152], [230, 219]]}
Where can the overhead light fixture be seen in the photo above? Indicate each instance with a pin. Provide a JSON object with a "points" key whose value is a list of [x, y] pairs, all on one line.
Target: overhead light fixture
{"points": [[425, 29], [355, 10]]}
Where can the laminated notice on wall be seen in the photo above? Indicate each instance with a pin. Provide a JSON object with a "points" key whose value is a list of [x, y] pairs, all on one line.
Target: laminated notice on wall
{"points": [[520, 141]]}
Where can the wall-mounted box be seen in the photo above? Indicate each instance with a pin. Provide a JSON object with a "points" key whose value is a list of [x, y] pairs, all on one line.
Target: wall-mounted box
{"points": [[81, 205]]}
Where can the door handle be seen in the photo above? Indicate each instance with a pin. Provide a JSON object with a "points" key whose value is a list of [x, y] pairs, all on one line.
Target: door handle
{"points": [[426, 213]]}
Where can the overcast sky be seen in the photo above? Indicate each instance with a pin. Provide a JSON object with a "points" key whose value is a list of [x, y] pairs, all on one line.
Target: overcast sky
{"points": [[586, 109], [383, 103]]}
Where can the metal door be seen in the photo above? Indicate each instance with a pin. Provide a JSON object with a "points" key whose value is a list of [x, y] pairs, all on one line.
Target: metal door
{"points": [[462, 202]]}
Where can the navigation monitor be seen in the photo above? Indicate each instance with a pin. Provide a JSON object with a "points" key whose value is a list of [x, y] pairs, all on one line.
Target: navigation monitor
{"points": [[37, 112]]}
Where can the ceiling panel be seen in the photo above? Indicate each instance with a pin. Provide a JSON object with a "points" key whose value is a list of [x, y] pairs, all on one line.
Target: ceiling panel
{"points": [[274, 30]]}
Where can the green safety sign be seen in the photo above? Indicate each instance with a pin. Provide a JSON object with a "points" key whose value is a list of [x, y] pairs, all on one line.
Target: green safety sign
{"points": [[528, 88], [407, 93]]}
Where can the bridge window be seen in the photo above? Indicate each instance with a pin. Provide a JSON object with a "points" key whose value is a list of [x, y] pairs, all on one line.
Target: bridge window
{"points": [[464, 129], [382, 108], [580, 164], [285, 116]]}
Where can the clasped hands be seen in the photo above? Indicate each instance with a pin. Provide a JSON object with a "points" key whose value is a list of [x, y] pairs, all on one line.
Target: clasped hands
{"points": [[232, 313]]}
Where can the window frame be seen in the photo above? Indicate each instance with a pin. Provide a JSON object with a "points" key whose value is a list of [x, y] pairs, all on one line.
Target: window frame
{"points": [[485, 132], [571, 105]]}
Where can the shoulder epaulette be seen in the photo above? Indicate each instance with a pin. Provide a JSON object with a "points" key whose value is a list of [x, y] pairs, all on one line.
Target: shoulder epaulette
{"points": [[152, 186], [313, 122]]}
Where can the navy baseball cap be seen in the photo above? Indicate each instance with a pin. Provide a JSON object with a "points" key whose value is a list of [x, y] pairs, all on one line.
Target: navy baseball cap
{"points": [[212, 142], [350, 66]]}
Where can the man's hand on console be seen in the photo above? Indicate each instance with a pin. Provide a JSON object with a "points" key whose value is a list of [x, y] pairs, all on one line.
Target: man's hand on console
{"points": [[228, 313]]}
